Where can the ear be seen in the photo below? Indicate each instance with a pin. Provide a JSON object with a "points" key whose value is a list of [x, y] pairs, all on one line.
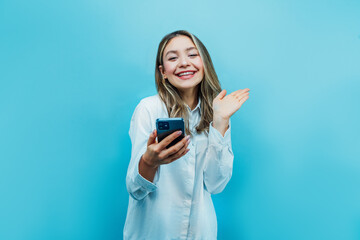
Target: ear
{"points": [[161, 69]]}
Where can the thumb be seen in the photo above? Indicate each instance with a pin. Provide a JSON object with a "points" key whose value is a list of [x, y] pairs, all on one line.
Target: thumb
{"points": [[221, 94], [152, 138]]}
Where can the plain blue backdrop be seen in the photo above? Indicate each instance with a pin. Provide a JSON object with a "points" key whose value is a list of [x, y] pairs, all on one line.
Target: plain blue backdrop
{"points": [[72, 72]]}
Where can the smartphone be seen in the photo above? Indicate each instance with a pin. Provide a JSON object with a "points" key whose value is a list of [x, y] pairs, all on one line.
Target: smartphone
{"points": [[166, 126]]}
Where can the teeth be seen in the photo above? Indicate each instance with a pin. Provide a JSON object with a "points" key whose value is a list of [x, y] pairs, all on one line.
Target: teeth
{"points": [[185, 73]]}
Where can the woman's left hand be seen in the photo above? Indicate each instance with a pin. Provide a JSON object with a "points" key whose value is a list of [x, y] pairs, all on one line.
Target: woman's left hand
{"points": [[225, 106]]}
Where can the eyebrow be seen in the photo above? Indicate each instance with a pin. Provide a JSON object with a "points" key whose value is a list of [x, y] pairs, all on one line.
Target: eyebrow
{"points": [[173, 51]]}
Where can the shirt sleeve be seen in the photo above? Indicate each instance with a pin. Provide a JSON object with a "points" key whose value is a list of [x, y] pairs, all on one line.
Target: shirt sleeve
{"points": [[140, 130], [219, 160]]}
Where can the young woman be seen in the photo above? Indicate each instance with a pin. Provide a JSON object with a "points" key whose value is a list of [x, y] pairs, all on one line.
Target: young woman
{"points": [[170, 188]]}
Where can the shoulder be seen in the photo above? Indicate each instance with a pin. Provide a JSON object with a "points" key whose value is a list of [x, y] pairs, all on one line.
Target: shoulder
{"points": [[151, 100], [151, 104], [147, 110]]}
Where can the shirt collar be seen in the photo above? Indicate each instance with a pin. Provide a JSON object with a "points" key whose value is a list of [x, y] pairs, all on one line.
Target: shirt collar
{"points": [[197, 106]]}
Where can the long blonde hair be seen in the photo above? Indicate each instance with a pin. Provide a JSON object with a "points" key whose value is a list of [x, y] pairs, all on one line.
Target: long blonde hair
{"points": [[208, 90]]}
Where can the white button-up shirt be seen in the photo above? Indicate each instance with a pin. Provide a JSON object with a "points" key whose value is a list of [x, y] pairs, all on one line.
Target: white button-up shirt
{"points": [[177, 204]]}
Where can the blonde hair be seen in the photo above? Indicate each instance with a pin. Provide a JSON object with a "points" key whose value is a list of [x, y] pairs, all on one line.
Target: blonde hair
{"points": [[208, 90]]}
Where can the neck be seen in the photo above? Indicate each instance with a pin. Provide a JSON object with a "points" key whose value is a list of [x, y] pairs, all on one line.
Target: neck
{"points": [[190, 97]]}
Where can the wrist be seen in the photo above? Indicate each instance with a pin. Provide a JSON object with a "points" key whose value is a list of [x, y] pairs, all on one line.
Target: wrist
{"points": [[145, 170], [220, 122], [146, 162]]}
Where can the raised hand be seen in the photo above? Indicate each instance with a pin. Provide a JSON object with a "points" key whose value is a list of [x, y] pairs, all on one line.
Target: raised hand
{"points": [[225, 106]]}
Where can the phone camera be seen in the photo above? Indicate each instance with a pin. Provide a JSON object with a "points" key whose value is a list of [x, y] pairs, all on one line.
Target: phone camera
{"points": [[163, 125]]}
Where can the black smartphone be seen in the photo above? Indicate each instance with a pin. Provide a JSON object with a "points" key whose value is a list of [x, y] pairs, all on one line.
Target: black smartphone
{"points": [[166, 126]]}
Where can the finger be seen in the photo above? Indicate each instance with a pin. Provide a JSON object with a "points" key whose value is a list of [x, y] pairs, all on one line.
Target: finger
{"points": [[241, 95], [166, 141], [221, 95], [152, 138], [155, 134], [242, 100], [240, 91], [174, 149], [179, 154]]}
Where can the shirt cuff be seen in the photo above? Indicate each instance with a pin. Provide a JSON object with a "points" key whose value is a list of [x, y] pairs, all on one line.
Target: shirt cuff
{"points": [[216, 138], [143, 182]]}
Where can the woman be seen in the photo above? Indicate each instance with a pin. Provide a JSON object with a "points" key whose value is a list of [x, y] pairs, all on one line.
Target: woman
{"points": [[170, 189]]}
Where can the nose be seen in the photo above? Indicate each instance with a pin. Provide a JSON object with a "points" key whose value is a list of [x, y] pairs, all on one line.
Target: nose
{"points": [[183, 62]]}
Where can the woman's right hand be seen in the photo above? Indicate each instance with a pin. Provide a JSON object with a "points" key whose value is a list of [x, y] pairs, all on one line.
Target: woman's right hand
{"points": [[157, 153]]}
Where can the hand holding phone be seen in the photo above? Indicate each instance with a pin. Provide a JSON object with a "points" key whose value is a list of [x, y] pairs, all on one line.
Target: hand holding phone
{"points": [[171, 144], [166, 126]]}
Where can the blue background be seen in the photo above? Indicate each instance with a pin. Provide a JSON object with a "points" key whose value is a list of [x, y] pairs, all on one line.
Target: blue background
{"points": [[72, 72]]}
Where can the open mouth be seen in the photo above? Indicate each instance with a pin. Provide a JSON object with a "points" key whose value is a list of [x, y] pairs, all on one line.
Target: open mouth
{"points": [[186, 75]]}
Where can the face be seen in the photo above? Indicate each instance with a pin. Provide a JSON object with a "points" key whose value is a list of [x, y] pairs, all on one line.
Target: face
{"points": [[182, 64]]}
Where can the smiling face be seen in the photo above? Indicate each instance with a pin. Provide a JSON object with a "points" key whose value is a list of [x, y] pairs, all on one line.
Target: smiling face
{"points": [[182, 64]]}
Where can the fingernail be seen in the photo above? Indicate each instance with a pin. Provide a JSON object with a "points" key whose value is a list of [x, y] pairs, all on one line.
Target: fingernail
{"points": [[179, 133], [187, 137]]}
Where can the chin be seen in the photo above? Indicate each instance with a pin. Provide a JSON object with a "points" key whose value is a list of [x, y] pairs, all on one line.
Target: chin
{"points": [[186, 86]]}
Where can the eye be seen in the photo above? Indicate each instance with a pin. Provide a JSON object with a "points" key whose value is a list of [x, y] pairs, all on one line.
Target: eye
{"points": [[172, 58], [193, 55]]}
